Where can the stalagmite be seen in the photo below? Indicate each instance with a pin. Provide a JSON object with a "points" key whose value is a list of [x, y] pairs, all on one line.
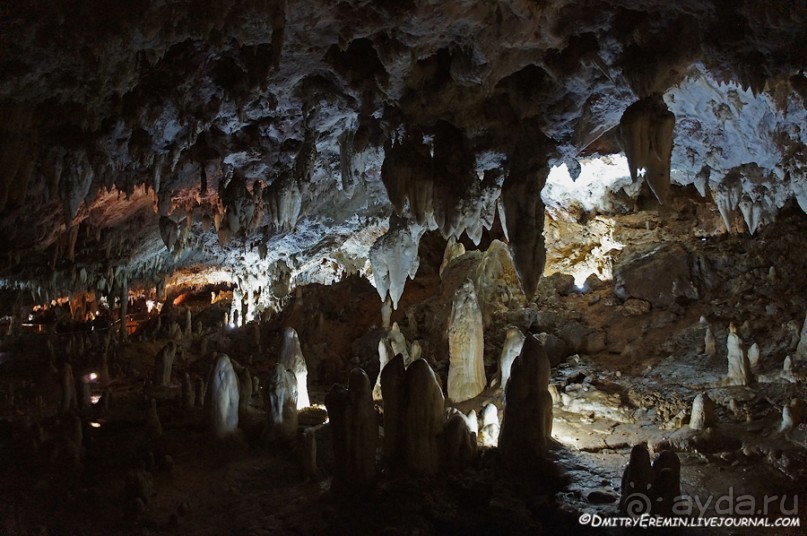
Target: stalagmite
{"points": [[511, 348], [453, 250], [69, 400], [703, 412], [392, 384], [188, 395], [787, 370], [398, 344], [666, 485], [792, 416], [527, 422], [459, 443], [154, 428], [291, 357], [646, 130], [422, 418], [280, 394], [188, 323], [490, 426], [355, 433], [466, 372], [308, 452], [394, 257], [200, 389], [163, 364], [385, 354], [801, 349], [709, 343], [753, 355], [637, 478], [221, 398], [739, 371], [244, 389], [386, 313]]}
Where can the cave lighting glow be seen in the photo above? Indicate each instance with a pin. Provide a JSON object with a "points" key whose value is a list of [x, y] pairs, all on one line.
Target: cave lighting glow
{"points": [[599, 177]]}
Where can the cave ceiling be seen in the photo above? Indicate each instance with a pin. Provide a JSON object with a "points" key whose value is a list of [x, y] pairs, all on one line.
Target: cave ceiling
{"points": [[142, 138]]}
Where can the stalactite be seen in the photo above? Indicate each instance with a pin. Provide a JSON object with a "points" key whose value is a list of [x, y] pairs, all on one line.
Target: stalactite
{"points": [[646, 132]]}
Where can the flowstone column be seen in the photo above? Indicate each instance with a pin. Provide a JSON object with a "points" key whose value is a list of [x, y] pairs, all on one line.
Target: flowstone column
{"points": [[466, 371]]}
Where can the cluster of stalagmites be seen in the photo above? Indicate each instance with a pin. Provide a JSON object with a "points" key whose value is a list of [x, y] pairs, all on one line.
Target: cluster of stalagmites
{"points": [[650, 489]]}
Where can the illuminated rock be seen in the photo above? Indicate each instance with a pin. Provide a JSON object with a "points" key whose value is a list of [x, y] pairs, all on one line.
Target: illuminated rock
{"points": [[221, 398], [490, 426], [385, 354], [703, 412], [739, 370], [527, 422], [453, 250], [394, 257], [637, 478], [164, 363], [646, 130], [753, 356], [280, 395], [787, 370], [511, 348], [466, 371], [666, 485], [355, 433], [291, 357]]}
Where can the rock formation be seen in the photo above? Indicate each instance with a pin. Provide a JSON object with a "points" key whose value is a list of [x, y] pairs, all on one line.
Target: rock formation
{"points": [[466, 372], [490, 426], [280, 394], [703, 412], [422, 419], [291, 357], [511, 348], [221, 398], [164, 364], [355, 433], [527, 422], [801, 349], [637, 479], [666, 485], [739, 372]]}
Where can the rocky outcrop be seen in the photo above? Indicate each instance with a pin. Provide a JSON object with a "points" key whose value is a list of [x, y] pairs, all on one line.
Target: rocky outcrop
{"points": [[658, 274]]}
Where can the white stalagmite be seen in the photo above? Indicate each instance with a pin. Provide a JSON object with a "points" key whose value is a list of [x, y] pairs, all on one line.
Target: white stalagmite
{"points": [[739, 370], [801, 349], [355, 432], [792, 416], [291, 357], [753, 355], [394, 257], [703, 412], [385, 355], [392, 380], [398, 344], [280, 394], [513, 342], [646, 129], [453, 250], [490, 426], [164, 363], [221, 399], [458, 442], [709, 343], [527, 422], [466, 371]]}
